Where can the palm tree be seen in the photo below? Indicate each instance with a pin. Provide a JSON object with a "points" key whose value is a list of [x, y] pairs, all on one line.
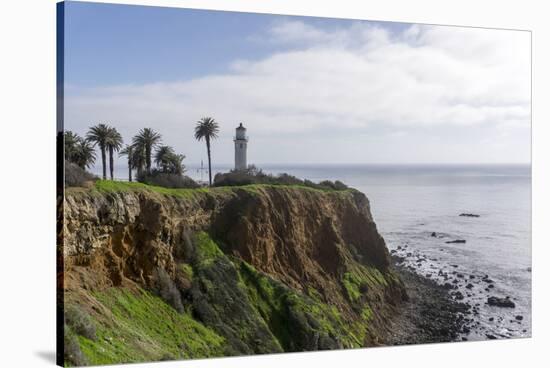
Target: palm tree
{"points": [[176, 164], [168, 161], [129, 152], [84, 155], [208, 129], [98, 135], [138, 160], [113, 143], [145, 141], [163, 157], [71, 142]]}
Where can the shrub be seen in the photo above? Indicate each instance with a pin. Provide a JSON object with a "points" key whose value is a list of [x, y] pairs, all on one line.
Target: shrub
{"points": [[75, 176], [80, 322], [72, 353], [337, 185], [167, 290], [253, 175], [167, 180]]}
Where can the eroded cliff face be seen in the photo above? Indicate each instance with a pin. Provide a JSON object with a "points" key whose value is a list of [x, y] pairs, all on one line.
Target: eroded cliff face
{"points": [[264, 268]]}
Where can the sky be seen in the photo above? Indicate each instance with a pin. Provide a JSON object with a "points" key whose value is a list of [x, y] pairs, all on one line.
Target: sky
{"points": [[309, 90]]}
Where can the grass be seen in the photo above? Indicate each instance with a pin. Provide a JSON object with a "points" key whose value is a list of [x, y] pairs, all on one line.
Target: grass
{"points": [[141, 327], [111, 186]]}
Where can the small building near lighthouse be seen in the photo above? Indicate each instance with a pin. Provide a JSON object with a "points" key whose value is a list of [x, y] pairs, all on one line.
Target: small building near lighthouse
{"points": [[241, 140]]}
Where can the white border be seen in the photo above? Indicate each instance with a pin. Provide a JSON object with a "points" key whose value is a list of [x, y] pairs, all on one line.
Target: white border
{"points": [[27, 118]]}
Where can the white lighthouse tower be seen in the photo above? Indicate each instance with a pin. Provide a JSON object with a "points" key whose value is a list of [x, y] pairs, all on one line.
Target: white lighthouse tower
{"points": [[241, 141]]}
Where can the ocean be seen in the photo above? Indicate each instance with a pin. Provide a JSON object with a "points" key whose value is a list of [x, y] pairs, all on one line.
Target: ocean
{"points": [[411, 202]]}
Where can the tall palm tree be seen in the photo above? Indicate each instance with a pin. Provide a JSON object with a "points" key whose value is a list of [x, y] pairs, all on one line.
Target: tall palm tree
{"points": [[113, 143], [145, 141], [129, 152], [163, 157], [98, 135], [207, 129]]}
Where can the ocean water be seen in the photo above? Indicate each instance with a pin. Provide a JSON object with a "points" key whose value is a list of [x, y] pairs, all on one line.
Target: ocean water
{"points": [[410, 202]]}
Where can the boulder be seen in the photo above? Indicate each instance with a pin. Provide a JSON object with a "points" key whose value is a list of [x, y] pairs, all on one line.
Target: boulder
{"points": [[500, 302]]}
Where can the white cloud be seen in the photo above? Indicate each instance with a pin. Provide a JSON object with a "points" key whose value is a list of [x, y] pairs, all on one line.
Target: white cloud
{"points": [[358, 83]]}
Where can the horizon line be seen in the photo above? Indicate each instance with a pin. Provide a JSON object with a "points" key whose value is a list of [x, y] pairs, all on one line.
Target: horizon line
{"points": [[369, 163]]}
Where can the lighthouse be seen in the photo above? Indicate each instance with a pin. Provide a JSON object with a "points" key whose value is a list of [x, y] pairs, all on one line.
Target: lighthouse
{"points": [[241, 141]]}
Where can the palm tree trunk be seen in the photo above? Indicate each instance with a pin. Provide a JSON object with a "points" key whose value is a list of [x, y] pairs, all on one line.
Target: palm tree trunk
{"points": [[129, 170], [148, 159], [111, 162], [209, 161], [104, 162]]}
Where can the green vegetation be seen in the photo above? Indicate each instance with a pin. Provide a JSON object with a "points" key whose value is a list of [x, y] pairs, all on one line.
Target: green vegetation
{"points": [[254, 175], [169, 161], [139, 327], [78, 151], [73, 356], [187, 270], [206, 250], [98, 135], [168, 173], [295, 318], [352, 283], [119, 186], [221, 302], [107, 186], [114, 143], [360, 279], [144, 143], [128, 151], [108, 139]]}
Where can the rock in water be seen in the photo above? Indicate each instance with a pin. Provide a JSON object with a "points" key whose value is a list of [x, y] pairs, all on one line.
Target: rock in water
{"points": [[500, 302], [458, 241]]}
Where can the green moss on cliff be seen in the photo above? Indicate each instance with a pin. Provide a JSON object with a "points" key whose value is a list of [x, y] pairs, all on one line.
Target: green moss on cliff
{"points": [[302, 321], [205, 248], [360, 279], [141, 327], [220, 301]]}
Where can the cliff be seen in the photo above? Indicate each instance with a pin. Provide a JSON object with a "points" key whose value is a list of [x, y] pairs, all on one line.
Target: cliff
{"points": [[171, 274]]}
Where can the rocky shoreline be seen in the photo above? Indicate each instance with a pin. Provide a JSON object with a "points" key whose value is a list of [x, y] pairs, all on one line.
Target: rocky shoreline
{"points": [[430, 315]]}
